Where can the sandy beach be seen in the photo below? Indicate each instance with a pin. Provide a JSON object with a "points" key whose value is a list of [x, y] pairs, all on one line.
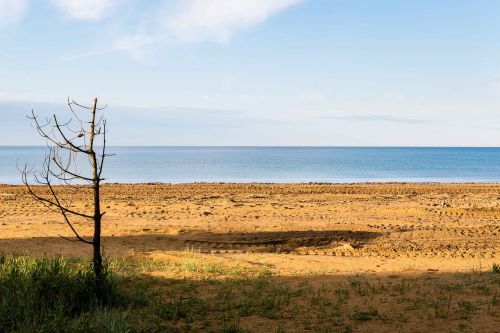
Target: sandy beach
{"points": [[290, 229]]}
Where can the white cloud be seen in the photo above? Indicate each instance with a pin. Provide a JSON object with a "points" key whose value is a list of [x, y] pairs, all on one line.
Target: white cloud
{"points": [[137, 46], [88, 10], [219, 20], [11, 11], [130, 43]]}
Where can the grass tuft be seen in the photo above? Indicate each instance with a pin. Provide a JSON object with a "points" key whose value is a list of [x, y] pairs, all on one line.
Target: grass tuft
{"points": [[40, 294]]}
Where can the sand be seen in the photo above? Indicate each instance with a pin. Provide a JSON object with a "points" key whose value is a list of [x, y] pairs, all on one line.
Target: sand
{"points": [[289, 229]]}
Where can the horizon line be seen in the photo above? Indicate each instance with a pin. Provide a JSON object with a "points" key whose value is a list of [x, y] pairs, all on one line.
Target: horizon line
{"points": [[256, 146]]}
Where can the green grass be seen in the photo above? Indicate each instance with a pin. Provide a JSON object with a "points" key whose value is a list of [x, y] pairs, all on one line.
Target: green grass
{"points": [[53, 295], [61, 295]]}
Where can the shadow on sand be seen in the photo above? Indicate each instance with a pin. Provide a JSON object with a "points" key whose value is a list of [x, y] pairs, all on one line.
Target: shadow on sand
{"points": [[257, 242]]}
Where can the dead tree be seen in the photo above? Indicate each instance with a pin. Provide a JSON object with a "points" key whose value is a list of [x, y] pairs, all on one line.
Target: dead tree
{"points": [[79, 142]]}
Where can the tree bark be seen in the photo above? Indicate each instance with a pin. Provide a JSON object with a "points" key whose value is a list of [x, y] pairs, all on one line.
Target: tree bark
{"points": [[96, 242]]}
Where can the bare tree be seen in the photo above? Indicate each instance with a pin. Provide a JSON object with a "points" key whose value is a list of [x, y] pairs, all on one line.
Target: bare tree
{"points": [[71, 144]]}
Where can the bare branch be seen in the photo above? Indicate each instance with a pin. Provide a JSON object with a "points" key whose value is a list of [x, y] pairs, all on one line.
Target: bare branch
{"points": [[67, 141], [89, 107], [66, 171], [75, 240], [64, 210], [51, 202], [73, 111], [103, 155]]}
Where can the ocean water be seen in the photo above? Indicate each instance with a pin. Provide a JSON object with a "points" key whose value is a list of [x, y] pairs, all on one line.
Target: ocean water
{"points": [[280, 164]]}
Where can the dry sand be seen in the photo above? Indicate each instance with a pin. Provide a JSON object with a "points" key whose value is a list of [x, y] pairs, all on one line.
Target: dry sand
{"points": [[289, 229]]}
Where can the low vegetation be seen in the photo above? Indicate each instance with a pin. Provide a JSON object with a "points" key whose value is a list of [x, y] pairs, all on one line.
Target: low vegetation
{"points": [[61, 295], [55, 295]]}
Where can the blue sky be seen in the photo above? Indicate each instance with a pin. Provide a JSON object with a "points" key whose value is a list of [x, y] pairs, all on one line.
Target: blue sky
{"points": [[250, 72]]}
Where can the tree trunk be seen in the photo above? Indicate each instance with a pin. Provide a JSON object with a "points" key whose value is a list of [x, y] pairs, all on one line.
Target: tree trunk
{"points": [[97, 234], [97, 258]]}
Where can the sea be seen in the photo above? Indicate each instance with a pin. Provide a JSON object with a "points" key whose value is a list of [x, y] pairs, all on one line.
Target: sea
{"points": [[278, 164]]}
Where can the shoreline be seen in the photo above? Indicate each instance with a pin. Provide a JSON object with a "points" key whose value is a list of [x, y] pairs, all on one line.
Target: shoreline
{"points": [[374, 183]]}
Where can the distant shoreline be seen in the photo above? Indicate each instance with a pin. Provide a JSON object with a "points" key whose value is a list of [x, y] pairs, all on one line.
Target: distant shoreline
{"points": [[289, 184], [271, 146]]}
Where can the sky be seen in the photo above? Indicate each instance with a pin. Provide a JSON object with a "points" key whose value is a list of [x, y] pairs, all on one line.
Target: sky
{"points": [[257, 72]]}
